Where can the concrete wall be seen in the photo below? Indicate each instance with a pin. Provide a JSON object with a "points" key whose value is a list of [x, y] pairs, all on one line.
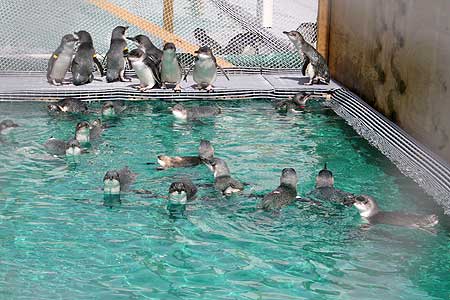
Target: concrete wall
{"points": [[395, 54]]}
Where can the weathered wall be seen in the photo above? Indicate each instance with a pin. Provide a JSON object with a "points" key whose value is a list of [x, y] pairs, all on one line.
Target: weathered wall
{"points": [[395, 54]]}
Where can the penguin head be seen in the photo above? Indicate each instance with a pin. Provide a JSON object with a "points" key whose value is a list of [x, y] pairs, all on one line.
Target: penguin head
{"points": [[83, 36], [81, 125], [177, 192], [219, 167], [301, 98], [108, 108], [204, 52], [119, 32], [366, 205], [6, 125], [294, 35], [111, 182], [82, 131], [73, 147], [96, 123], [169, 47], [324, 178], [69, 39], [142, 41], [206, 150], [289, 177], [136, 55], [53, 108], [179, 111]]}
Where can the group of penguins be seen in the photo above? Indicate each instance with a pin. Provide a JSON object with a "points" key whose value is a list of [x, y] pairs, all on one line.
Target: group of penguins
{"points": [[182, 191], [153, 67]]}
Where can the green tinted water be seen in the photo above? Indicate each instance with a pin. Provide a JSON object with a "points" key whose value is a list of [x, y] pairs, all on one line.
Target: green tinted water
{"points": [[58, 240]]}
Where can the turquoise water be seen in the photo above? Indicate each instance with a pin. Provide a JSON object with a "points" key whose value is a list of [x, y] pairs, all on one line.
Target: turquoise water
{"points": [[58, 240]]}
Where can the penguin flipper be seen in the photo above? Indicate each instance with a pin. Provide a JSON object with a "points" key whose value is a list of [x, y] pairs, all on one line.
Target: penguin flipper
{"points": [[189, 71], [223, 71], [99, 66], [154, 67], [306, 62]]}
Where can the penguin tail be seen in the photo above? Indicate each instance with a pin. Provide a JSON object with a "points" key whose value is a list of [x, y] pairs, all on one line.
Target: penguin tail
{"points": [[112, 77]]}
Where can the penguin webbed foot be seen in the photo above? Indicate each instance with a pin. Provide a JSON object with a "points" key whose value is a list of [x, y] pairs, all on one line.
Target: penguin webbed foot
{"points": [[209, 88], [177, 89]]}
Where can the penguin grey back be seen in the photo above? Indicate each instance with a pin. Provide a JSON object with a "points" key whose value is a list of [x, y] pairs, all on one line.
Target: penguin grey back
{"points": [[83, 62], [61, 59], [115, 61], [284, 194]]}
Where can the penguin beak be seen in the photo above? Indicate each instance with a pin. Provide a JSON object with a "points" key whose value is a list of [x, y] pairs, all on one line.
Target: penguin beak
{"points": [[126, 27], [131, 38], [286, 32]]}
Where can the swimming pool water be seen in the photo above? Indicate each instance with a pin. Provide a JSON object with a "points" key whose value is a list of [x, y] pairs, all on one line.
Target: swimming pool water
{"points": [[59, 241]]}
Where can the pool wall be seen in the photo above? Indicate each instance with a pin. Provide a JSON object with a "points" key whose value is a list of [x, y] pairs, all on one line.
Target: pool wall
{"points": [[395, 55]]}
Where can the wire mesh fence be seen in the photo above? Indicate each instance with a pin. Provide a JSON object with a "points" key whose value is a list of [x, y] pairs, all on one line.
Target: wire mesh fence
{"points": [[232, 28]]}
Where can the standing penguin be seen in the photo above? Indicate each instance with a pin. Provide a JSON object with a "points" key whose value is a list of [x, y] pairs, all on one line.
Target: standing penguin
{"points": [[314, 65], [83, 63], [115, 61], [60, 61], [205, 69], [146, 45], [171, 70], [145, 68]]}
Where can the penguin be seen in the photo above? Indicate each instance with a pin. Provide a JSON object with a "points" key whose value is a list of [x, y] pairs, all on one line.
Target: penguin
{"points": [[146, 69], [117, 181], [6, 126], [180, 192], [113, 108], [96, 129], [314, 65], [60, 61], [83, 62], [325, 190], [60, 147], [284, 194], [223, 181], [167, 162], [145, 45], [115, 61], [369, 210], [194, 113], [293, 103], [206, 151], [70, 105], [204, 39], [170, 68], [83, 132], [205, 69]]}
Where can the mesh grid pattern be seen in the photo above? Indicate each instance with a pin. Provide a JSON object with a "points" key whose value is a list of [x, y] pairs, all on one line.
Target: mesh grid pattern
{"points": [[231, 27]]}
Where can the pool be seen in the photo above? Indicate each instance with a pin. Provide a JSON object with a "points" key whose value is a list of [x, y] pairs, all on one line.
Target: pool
{"points": [[59, 240]]}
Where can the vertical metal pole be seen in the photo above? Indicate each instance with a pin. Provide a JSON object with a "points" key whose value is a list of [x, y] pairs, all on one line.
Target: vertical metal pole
{"points": [[264, 12], [168, 16], [323, 27]]}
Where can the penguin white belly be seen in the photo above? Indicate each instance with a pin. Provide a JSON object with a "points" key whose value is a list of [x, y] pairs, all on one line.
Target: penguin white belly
{"points": [[170, 72], [204, 72], [145, 75], [60, 67], [310, 71]]}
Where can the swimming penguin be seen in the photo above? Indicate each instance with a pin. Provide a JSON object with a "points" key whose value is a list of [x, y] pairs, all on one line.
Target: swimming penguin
{"points": [[113, 108], [60, 61], [117, 181], [284, 194], [205, 150], [314, 65], [194, 113], [204, 39], [68, 105], [205, 69], [83, 132], [146, 69], [325, 190], [293, 103], [369, 210], [182, 191], [167, 162], [115, 61], [7, 125], [96, 129], [223, 181], [171, 70], [145, 44], [83, 62], [60, 147]]}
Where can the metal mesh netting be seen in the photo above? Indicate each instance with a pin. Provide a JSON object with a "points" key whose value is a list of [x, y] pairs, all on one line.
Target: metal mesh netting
{"points": [[232, 28]]}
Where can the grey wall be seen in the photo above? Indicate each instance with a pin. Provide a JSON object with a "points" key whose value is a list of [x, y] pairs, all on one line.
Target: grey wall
{"points": [[395, 54]]}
